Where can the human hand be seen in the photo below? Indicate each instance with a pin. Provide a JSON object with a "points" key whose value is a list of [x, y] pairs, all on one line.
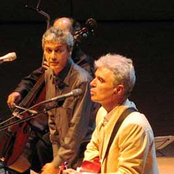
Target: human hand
{"points": [[14, 97], [33, 172], [70, 171], [49, 168], [45, 65]]}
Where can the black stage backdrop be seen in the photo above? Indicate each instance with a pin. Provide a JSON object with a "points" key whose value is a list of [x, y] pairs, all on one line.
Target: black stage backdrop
{"points": [[141, 30]]}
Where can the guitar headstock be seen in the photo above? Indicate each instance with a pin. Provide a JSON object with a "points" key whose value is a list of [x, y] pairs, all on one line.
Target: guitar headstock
{"points": [[88, 29]]}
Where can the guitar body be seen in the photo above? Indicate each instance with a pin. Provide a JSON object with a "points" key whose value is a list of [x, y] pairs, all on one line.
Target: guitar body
{"points": [[91, 167]]}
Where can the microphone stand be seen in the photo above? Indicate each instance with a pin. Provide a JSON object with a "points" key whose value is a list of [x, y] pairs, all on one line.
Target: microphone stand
{"points": [[37, 9], [33, 114], [46, 15]]}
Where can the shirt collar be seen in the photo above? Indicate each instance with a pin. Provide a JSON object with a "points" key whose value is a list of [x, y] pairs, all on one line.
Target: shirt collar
{"points": [[59, 80], [126, 103]]}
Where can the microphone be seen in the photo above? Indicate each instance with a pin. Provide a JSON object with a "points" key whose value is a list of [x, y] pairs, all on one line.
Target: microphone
{"points": [[74, 93], [8, 57]]}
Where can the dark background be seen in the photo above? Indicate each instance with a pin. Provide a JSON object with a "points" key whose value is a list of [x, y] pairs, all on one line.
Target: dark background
{"points": [[139, 29]]}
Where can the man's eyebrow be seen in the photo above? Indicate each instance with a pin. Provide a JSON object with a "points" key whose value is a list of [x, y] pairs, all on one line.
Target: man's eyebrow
{"points": [[59, 46]]}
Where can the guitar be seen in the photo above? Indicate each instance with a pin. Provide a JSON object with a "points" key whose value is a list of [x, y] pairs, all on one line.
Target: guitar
{"points": [[86, 166], [91, 167]]}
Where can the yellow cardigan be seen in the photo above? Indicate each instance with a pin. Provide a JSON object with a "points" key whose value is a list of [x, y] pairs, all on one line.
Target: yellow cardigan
{"points": [[132, 150]]}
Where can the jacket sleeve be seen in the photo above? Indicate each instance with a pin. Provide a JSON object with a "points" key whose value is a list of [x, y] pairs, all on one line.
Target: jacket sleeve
{"points": [[135, 143], [92, 150], [28, 82]]}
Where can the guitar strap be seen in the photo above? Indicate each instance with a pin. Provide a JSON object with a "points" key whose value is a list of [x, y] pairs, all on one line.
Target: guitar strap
{"points": [[117, 125]]}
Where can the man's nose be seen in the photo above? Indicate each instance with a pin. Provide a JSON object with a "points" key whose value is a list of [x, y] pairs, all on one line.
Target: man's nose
{"points": [[53, 55], [93, 82]]}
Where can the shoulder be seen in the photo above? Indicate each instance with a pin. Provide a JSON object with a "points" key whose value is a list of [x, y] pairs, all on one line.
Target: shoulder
{"points": [[84, 61], [80, 73], [137, 119]]}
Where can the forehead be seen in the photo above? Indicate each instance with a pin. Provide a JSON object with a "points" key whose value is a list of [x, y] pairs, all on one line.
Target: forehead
{"points": [[105, 73], [105, 76], [54, 44]]}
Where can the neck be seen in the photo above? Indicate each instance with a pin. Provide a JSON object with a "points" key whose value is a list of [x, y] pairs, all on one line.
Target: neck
{"points": [[111, 105]]}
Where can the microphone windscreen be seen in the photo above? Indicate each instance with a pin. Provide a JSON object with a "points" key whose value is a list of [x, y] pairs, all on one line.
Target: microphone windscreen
{"points": [[77, 92], [12, 56], [8, 57]]}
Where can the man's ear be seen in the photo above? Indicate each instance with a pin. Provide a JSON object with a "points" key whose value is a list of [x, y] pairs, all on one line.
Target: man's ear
{"points": [[119, 90]]}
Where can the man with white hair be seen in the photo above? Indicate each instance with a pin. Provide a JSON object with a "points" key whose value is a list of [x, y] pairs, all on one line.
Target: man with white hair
{"points": [[132, 150]]}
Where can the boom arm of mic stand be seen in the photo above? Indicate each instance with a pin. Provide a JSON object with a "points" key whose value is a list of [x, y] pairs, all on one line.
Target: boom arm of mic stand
{"points": [[26, 118], [46, 15]]}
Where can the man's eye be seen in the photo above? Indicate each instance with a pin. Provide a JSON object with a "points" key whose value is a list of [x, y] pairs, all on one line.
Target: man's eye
{"points": [[59, 50], [48, 50], [101, 80]]}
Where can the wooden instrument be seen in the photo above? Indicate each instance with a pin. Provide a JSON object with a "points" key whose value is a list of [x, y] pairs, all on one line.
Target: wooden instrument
{"points": [[91, 167], [19, 140]]}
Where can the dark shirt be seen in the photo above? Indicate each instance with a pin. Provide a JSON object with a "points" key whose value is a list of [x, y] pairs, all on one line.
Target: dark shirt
{"points": [[69, 122], [26, 85]]}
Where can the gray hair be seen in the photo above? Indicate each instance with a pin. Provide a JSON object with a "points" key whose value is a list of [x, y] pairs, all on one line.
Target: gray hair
{"points": [[122, 68], [55, 34]]}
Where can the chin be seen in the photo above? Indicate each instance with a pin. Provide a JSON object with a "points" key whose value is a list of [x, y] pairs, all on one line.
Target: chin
{"points": [[93, 98], [55, 69]]}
